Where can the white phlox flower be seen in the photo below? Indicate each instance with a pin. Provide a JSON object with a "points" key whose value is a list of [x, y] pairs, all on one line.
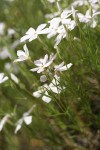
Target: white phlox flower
{"points": [[42, 92], [62, 33], [46, 98], [62, 67], [71, 25], [55, 85], [43, 63], [60, 25], [53, 28], [26, 118], [3, 78], [93, 1], [89, 18], [32, 34], [61, 19], [22, 55], [3, 121], [58, 21]]}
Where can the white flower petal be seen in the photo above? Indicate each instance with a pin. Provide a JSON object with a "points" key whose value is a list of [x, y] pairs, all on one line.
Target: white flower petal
{"points": [[37, 63], [33, 37], [45, 59], [50, 35], [3, 121], [26, 50], [40, 70], [34, 69], [63, 68], [28, 119], [31, 31], [37, 94], [14, 78], [3, 78], [66, 13], [40, 27], [18, 127], [69, 65], [45, 98], [44, 31], [48, 64], [24, 38], [22, 57], [20, 52]]}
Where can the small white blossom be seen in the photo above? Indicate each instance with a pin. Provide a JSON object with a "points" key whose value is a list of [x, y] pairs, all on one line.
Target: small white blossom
{"points": [[43, 63], [46, 98], [3, 78], [22, 55], [55, 26], [25, 118], [32, 34], [37, 94], [89, 18], [60, 30], [61, 19], [55, 85], [3, 121], [42, 91], [62, 67]]}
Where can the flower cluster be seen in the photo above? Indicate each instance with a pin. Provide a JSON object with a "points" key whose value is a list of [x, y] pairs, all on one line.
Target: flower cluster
{"points": [[62, 23], [44, 67], [54, 87], [27, 118]]}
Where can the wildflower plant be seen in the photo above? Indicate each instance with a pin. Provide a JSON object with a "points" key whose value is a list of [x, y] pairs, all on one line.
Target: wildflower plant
{"points": [[50, 89]]}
